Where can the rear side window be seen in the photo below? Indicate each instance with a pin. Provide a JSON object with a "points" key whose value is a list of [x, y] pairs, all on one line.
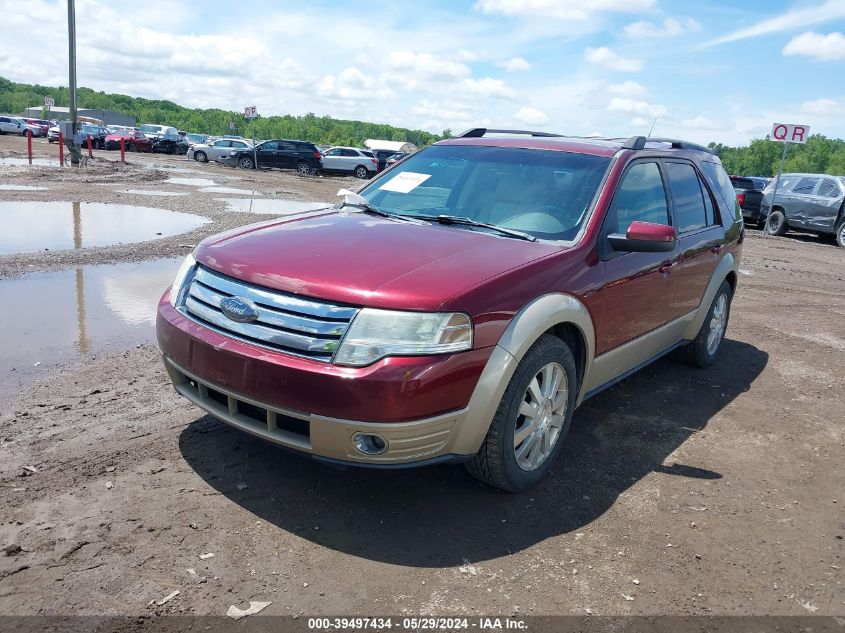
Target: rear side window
{"points": [[719, 177], [805, 186], [828, 189], [687, 196], [640, 197]]}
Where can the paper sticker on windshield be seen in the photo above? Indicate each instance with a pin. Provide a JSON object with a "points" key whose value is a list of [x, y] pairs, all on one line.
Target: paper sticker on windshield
{"points": [[405, 182]]}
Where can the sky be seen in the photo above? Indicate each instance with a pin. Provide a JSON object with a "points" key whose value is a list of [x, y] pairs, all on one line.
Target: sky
{"points": [[706, 70]]}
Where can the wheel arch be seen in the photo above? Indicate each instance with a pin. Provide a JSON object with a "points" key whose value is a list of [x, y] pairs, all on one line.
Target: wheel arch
{"points": [[725, 271], [558, 314]]}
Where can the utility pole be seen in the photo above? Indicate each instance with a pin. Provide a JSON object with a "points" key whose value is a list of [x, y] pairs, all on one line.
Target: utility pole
{"points": [[71, 40]]}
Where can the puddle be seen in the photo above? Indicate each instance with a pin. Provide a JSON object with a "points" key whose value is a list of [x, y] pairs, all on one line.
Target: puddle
{"points": [[22, 188], [274, 207], [38, 162], [232, 190], [34, 226], [193, 182], [64, 316], [149, 192]]}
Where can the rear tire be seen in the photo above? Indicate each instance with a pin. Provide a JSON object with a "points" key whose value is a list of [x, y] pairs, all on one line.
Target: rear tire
{"points": [[303, 168], [200, 157], [777, 223], [704, 348], [534, 414], [246, 162], [361, 172]]}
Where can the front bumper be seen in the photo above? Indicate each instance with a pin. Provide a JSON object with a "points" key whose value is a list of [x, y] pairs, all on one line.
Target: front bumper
{"points": [[320, 436], [423, 407]]}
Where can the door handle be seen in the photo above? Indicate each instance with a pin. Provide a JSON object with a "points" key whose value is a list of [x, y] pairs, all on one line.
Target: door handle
{"points": [[716, 249]]}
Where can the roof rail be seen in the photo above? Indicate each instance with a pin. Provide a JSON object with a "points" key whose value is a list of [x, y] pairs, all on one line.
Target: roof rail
{"points": [[678, 144], [478, 132], [635, 142]]}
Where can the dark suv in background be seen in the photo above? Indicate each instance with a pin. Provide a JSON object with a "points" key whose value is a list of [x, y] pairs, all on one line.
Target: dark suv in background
{"points": [[749, 194], [302, 156]]}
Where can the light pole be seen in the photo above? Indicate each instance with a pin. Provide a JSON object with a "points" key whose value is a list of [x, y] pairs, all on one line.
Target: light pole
{"points": [[71, 41]]}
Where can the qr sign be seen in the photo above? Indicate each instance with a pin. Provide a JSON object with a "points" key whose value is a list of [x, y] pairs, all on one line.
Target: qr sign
{"points": [[250, 112]]}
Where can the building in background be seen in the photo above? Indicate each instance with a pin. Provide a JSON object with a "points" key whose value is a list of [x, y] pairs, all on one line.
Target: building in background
{"points": [[108, 117]]}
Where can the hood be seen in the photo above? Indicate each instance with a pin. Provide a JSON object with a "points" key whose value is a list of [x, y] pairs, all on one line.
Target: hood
{"points": [[361, 259]]}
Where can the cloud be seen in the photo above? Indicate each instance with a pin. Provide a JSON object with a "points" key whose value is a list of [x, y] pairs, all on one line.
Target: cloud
{"points": [[416, 67], [628, 89], [514, 64], [488, 87], [791, 20], [568, 10], [671, 27], [823, 107], [822, 48], [603, 56], [531, 116], [701, 123], [633, 106]]}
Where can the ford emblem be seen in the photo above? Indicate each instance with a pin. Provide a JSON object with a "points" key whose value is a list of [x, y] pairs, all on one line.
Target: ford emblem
{"points": [[239, 309]]}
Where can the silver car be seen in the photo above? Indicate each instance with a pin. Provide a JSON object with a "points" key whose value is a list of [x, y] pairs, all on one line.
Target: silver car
{"points": [[806, 202], [350, 160], [216, 150]]}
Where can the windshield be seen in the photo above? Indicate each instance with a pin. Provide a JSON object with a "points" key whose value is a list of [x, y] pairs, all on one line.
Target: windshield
{"points": [[151, 129], [543, 193]]}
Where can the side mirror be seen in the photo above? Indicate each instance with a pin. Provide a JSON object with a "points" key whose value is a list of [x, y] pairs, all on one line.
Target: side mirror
{"points": [[644, 237]]}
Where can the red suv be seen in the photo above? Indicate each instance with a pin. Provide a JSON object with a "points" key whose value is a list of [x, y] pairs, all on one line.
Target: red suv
{"points": [[461, 305]]}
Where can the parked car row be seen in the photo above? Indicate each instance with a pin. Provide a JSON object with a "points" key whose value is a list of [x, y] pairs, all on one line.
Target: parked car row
{"points": [[18, 125], [302, 156]]}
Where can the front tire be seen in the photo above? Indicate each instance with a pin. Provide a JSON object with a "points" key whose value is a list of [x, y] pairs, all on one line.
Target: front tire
{"points": [[703, 349], [777, 223], [246, 162], [840, 233], [532, 421], [200, 157]]}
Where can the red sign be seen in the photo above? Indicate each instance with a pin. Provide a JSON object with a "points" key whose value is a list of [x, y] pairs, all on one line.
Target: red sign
{"points": [[790, 133]]}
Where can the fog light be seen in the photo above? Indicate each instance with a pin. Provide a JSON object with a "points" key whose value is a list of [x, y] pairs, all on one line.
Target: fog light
{"points": [[369, 443]]}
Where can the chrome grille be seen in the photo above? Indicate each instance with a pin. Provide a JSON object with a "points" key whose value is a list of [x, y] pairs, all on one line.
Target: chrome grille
{"points": [[286, 323]]}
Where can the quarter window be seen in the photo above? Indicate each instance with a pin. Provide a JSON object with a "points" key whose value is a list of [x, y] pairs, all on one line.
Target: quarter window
{"points": [[829, 189], [640, 197], [686, 194]]}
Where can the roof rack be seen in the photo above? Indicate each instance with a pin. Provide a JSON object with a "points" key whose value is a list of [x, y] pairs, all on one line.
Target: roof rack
{"points": [[639, 142], [478, 132]]}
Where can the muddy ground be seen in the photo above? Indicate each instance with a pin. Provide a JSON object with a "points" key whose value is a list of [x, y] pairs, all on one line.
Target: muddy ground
{"points": [[679, 491]]}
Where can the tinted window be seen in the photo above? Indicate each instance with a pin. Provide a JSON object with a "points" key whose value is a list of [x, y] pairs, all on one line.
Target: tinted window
{"points": [[719, 177], [237, 144], [269, 146], [640, 197], [805, 185], [686, 194], [829, 189], [287, 146], [512, 187], [742, 183]]}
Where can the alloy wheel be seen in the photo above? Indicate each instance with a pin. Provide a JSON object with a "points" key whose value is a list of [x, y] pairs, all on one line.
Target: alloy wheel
{"points": [[717, 324], [541, 416]]}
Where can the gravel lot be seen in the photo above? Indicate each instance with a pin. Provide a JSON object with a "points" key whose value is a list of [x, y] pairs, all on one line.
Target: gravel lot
{"points": [[679, 491]]}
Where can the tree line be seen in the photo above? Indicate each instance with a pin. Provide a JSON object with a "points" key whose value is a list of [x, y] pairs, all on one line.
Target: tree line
{"points": [[17, 97], [820, 155]]}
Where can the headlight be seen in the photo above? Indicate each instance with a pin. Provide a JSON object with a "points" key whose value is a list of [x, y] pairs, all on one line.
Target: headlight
{"points": [[182, 274], [375, 334]]}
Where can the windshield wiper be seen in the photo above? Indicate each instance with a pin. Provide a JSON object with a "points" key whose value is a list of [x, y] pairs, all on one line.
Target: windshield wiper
{"points": [[365, 206], [454, 219]]}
